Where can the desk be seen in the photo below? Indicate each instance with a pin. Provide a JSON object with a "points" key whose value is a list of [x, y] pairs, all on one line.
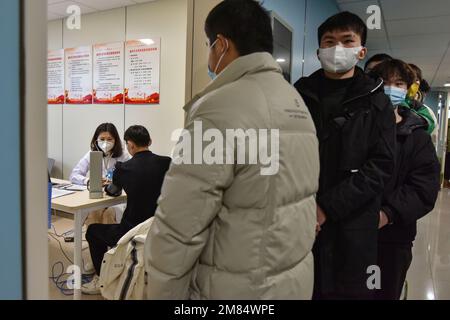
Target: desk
{"points": [[80, 206]]}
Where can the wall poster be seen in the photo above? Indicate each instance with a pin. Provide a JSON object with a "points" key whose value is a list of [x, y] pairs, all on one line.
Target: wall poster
{"points": [[55, 76], [78, 69], [142, 70], [108, 73]]}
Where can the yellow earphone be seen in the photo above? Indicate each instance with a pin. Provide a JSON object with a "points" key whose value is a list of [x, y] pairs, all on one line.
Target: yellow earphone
{"points": [[413, 90]]}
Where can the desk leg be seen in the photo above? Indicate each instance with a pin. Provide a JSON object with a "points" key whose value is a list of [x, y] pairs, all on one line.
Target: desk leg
{"points": [[80, 217]]}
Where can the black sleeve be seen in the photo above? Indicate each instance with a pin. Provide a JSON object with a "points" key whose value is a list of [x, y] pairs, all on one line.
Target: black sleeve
{"points": [[417, 196], [361, 187], [115, 188]]}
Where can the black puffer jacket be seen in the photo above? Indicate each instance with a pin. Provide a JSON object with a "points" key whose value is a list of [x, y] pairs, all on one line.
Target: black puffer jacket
{"points": [[412, 191], [357, 150]]}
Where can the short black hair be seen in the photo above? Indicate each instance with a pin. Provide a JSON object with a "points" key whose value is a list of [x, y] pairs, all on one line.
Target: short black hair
{"points": [[117, 151], [380, 57], [245, 22], [344, 21], [417, 70], [139, 135], [424, 86], [395, 67]]}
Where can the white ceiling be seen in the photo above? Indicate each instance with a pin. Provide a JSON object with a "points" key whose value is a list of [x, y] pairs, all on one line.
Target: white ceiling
{"points": [[57, 8], [416, 31]]}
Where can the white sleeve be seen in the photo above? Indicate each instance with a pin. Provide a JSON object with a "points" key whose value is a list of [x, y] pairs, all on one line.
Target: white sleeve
{"points": [[79, 173], [124, 157]]}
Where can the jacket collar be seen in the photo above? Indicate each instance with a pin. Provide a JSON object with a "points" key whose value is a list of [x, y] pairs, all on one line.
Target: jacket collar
{"points": [[248, 64], [142, 153], [362, 86]]}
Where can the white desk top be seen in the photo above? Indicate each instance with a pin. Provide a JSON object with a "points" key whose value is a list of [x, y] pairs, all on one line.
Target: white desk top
{"points": [[80, 200]]}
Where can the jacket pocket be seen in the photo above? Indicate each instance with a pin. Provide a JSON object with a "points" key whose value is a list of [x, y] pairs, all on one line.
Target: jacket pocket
{"points": [[367, 217], [356, 141]]}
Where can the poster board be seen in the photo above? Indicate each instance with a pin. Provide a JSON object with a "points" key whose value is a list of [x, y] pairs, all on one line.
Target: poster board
{"points": [[142, 71], [108, 73], [55, 77], [78, 75]]}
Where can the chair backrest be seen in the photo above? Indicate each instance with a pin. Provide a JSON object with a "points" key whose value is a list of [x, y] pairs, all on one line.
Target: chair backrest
{"points": [[50, 164]]}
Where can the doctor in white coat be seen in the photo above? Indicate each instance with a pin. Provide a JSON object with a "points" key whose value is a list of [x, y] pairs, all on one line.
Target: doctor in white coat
{"points": [[105, 139]]}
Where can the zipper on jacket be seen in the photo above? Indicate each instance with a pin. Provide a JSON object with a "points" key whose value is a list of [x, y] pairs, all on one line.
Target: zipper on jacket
{"points": [[127, 282], [365, 94]]}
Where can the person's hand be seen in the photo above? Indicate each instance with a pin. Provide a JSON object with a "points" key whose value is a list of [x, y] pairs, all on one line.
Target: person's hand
{"points": [[318, 229], [105, 182], [384, 220], [321, 217]]}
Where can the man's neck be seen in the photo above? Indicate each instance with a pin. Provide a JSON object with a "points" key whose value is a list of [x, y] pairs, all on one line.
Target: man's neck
{"points": [[340, 76], [141, 150]]}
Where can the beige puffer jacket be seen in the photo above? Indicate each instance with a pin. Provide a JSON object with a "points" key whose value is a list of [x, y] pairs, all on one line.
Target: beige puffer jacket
{"points": [[225, 231], [122, 276]]}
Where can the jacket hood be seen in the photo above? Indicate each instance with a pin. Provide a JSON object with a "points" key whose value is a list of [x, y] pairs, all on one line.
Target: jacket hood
{"points": [[361, 86], [410, 122]]}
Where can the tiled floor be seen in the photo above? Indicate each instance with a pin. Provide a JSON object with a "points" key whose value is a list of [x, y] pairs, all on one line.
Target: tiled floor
{"points": [[428, 277]]}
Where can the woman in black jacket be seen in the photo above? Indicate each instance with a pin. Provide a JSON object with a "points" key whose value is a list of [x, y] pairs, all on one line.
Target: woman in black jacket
{"points": [[413, 188]]}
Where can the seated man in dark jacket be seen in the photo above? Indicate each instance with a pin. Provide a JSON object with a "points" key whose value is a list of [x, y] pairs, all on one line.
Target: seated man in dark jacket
{"points": [[356, 130], [413, 188], [141, 178]]}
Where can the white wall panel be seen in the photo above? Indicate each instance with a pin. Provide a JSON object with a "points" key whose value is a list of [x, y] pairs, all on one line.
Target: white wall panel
{"points": [[54, 112], [166, 19]]}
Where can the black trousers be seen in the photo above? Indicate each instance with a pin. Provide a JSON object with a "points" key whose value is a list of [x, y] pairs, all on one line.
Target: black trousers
{"points": [[394, 261], [447, 166], [100, 237]]}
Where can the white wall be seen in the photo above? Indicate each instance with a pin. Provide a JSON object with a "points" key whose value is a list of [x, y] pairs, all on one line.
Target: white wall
{"points": [[71, 127], [168, 20], [200, 78]]}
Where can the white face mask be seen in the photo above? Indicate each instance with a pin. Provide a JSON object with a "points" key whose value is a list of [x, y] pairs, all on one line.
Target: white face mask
{"points": [[106, 146], [339, 59]]}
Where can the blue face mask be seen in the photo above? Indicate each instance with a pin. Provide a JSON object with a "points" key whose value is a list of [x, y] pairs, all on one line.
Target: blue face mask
{"points": [[211, 74], [397, 95]]}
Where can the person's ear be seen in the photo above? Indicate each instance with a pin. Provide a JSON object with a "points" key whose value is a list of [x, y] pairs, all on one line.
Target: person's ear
{"points": [[317, 52], [221, 44], [362, 54]]}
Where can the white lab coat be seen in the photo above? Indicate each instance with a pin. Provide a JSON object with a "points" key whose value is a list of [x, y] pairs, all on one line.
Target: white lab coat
{"points": [[80, 174]]}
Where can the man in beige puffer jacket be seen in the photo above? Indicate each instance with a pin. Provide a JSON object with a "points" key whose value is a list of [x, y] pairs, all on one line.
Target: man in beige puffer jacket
{"points": [[233, 230]]}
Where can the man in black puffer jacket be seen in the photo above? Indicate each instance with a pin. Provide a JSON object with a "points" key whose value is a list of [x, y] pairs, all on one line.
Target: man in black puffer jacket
{"points": [[356, 129]]}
